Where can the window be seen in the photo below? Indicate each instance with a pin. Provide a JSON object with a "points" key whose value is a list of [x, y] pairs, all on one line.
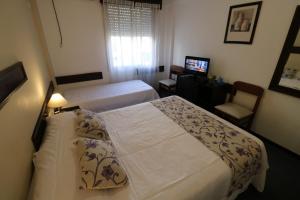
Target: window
{"points": [[131, 37]]}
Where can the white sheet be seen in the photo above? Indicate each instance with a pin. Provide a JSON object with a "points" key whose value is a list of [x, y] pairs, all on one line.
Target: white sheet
{"points": [[111, 96], [161, 159]]}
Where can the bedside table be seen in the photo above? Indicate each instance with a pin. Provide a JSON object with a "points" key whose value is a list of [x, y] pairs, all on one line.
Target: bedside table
{"points": [[68, 109], [52, 111]]}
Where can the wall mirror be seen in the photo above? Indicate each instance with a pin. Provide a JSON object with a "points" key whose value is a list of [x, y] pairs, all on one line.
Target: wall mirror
{"points": [[286, 78]]}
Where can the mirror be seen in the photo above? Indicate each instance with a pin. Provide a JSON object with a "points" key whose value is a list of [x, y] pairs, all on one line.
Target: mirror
{"points": [[297, 41], [286, 78], [291, 73]]}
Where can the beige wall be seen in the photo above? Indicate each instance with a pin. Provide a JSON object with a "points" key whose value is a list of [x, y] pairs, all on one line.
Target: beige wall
{"points": [[83, 49], [19, 42], [199, 31]]}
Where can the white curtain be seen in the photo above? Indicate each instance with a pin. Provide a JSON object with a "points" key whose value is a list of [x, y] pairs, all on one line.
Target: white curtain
{"points": [[132, 40]]}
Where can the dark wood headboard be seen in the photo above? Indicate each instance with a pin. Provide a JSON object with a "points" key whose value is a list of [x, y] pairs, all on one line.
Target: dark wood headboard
{"points": [[11, 78], [78, 78], [41, 123]]}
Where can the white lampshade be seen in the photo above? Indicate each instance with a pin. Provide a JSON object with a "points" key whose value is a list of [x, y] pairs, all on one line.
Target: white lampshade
{"points": [[57, 100]]}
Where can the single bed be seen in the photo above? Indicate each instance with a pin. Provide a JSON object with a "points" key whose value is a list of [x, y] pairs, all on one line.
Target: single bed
{"points": [[169, 148], [110, 96]]}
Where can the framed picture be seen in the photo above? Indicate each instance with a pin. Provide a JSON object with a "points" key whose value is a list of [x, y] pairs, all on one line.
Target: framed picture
{"points": [[241, 23]]}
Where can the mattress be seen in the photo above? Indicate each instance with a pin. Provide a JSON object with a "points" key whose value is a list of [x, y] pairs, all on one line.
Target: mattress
{"points": [[111, 96], [161, 159]]}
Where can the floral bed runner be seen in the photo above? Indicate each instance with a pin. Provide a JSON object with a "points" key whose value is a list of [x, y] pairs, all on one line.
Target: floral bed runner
{"points": [[241, 153]]}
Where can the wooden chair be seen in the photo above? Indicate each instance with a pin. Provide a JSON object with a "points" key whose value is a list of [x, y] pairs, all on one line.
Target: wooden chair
{"points": [[236, 113], [170, 84]]}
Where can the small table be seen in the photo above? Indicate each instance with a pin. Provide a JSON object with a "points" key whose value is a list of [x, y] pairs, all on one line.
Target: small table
{"points": [[68, 109], [212, 94]]}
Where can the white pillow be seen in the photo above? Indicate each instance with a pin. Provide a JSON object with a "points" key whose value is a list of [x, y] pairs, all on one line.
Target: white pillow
{"points": [[43, 185]]}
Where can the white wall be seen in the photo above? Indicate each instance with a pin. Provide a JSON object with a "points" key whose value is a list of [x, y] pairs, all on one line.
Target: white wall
{"points": [[83, 49], [199, 31], [19, 42]]}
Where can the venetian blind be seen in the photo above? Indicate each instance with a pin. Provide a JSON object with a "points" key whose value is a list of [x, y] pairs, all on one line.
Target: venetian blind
{"points": [[132, 39], [128, 19]]}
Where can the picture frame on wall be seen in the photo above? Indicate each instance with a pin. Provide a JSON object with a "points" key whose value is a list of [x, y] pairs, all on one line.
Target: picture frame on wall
{"points": [[241, 23]]}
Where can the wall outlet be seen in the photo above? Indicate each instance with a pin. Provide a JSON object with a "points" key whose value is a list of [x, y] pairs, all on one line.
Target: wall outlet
{"points": [[161, 68]]}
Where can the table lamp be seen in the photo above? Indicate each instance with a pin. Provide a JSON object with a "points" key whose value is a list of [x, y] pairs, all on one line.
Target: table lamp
{"points": [[57, 101]]}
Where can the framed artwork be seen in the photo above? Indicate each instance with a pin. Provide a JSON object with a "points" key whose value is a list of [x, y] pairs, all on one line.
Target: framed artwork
{"points": [[241, 23]]}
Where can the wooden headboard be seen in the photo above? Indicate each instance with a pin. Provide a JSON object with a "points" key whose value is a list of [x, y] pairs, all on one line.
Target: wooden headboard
{"points": [[41, 124], [11, 78]]}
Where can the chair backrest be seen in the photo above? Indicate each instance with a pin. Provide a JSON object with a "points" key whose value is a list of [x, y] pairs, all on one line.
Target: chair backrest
{"points": [[248, 88], [187, 87], [175, 69]]}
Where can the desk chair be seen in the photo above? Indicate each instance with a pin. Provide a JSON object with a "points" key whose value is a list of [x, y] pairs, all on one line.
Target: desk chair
{"points": [[170, 84], [236, 113]]}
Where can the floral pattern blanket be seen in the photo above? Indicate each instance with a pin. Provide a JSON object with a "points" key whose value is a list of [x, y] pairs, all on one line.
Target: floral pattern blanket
{"points": [[241, 153]]}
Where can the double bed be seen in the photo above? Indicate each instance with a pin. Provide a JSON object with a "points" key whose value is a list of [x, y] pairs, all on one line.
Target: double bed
{"points": [[169, 148], [100, 98]]}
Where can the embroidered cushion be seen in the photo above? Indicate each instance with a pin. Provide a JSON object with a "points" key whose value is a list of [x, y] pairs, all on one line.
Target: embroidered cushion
{"points": [[89, 125], [99, 167]]}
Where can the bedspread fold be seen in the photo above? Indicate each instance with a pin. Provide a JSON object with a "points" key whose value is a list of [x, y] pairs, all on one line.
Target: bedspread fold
{"points": [[241, 153]]}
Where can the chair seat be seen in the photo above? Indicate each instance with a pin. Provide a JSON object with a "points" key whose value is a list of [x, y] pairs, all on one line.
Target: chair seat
{"points": [[168, 82], [234, 110]]}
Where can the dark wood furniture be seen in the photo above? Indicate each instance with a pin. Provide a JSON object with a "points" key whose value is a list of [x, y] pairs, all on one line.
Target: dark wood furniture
{"points": [[69, 109], [202, 92], [212, 94], [11, 78], [78, 78], [41, 124], [170, 84], [237, 114], [66, 109], [187, 87]]}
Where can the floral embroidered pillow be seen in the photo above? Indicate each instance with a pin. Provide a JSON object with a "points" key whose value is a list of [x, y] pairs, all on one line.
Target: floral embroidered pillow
{"points": [[88, 124], [99, 167]]}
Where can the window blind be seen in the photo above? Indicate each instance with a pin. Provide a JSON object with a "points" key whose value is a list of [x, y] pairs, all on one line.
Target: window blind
{"points": [[127, 20], [149, 3]]}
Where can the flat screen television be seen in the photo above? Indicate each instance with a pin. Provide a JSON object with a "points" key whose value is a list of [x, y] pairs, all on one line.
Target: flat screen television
{"points": [[197, 65]]}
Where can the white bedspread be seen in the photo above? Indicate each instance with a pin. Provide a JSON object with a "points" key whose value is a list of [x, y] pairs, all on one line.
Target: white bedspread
{"points": [[161, 159], [106, 97]]}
